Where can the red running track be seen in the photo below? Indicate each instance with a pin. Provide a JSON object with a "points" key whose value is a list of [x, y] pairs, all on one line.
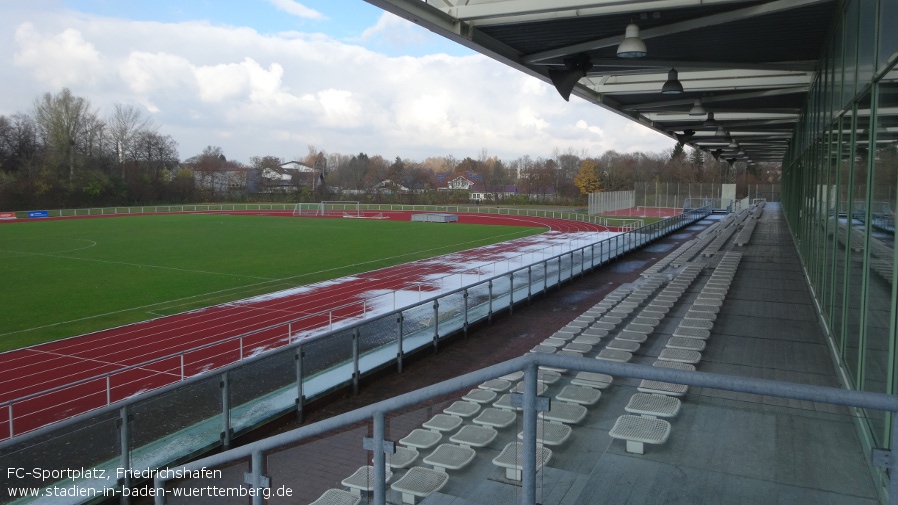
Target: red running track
{"points": [[72, 376]]}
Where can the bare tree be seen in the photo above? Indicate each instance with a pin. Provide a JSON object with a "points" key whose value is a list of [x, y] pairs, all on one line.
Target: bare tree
{"points": [[64, 120], [125, 126]]}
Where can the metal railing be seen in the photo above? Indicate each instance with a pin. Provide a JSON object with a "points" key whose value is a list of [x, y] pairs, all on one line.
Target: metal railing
{"points": [[529, 363], [211, 408], [109, 387], [290, 207]]}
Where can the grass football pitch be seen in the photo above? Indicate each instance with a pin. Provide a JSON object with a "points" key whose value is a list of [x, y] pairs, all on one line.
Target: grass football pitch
{"points": [[68, 277]]}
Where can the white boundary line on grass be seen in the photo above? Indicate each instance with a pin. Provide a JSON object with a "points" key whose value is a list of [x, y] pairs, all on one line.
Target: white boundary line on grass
{"points": [[187, 299]]}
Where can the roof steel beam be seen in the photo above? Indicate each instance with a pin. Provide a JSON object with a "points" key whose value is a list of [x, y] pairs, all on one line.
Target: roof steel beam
{"points": [[674, 28], [527, 11]]}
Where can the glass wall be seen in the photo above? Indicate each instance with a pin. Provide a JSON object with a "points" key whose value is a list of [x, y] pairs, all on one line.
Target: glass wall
{"points": [[840, 187]]}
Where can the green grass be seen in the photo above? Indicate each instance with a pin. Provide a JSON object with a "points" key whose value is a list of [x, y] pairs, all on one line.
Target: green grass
{"points": [[67, 277]]}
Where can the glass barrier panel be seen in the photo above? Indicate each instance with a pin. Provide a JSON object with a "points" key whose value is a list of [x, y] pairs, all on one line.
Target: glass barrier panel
{"points": [[521, 282], [331, 354], [417, 327], [451, 312], [478, 302], [501, 292], [176, 424], [263, 389], [566, 266], [95, 440]]}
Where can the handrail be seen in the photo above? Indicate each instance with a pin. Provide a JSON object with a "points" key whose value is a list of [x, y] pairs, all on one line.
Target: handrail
{"points": [[822, 394]]}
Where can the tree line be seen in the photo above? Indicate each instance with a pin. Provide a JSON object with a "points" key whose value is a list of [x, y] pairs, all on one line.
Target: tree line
{"points": [[65, 153]]}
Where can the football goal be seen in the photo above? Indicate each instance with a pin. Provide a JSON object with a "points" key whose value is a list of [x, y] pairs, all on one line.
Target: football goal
{"points": [[329, 208]]}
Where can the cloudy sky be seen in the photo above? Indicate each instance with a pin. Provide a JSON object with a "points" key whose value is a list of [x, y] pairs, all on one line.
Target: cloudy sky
{"points": [[270, 77]]}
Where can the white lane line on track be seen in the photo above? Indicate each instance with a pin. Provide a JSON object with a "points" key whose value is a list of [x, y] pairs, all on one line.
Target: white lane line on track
{"points": [[93, 360], [192, 299], [142, 265]]}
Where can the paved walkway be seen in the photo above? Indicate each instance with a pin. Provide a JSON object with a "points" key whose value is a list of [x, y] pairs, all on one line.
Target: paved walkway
{"points": [[724, 447]]}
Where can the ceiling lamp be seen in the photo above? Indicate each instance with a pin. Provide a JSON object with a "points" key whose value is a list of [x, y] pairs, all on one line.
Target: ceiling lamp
{"points": [[697, 108], [632, 46], [672, 86], [720, 132], [733, 144], [565, 80], [710, 121]]}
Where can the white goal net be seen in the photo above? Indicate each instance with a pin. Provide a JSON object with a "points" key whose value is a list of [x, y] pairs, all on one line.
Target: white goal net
{"points": [[339, 208]]}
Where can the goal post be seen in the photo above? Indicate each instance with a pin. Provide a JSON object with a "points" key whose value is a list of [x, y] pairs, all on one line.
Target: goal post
{"points": [[305, 209], [339, 208], [329, 208]]}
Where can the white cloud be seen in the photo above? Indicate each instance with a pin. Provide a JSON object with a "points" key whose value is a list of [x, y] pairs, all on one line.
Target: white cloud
{"points": [[64, 59], [394, 32], [149, 73], [256, 94], [296, 9]]}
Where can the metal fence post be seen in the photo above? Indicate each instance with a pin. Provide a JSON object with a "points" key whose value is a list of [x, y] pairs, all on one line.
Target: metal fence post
{"points": [[465, 302], [559, 272], [490, 313], [511, 293], [436, 324], [528, 458], [298, 357], [355, 362], [125, 460], [399, 352], [379, 460], [225, 385], [256, 479], [529, 284]]}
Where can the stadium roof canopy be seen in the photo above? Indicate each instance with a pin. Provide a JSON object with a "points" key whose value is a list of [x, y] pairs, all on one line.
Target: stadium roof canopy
{"points": [[751, 63]]}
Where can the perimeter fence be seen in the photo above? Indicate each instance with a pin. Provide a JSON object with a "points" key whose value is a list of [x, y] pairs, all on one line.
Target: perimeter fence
{"points": [[311, 207], [204, 412]]}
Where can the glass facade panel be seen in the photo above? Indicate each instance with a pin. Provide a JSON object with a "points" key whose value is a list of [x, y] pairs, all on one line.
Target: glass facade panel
{"points": [[881, 252], [854, 244], [888, 35], [849, 54], [842, 165], [841, 178], [866, 63]]}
